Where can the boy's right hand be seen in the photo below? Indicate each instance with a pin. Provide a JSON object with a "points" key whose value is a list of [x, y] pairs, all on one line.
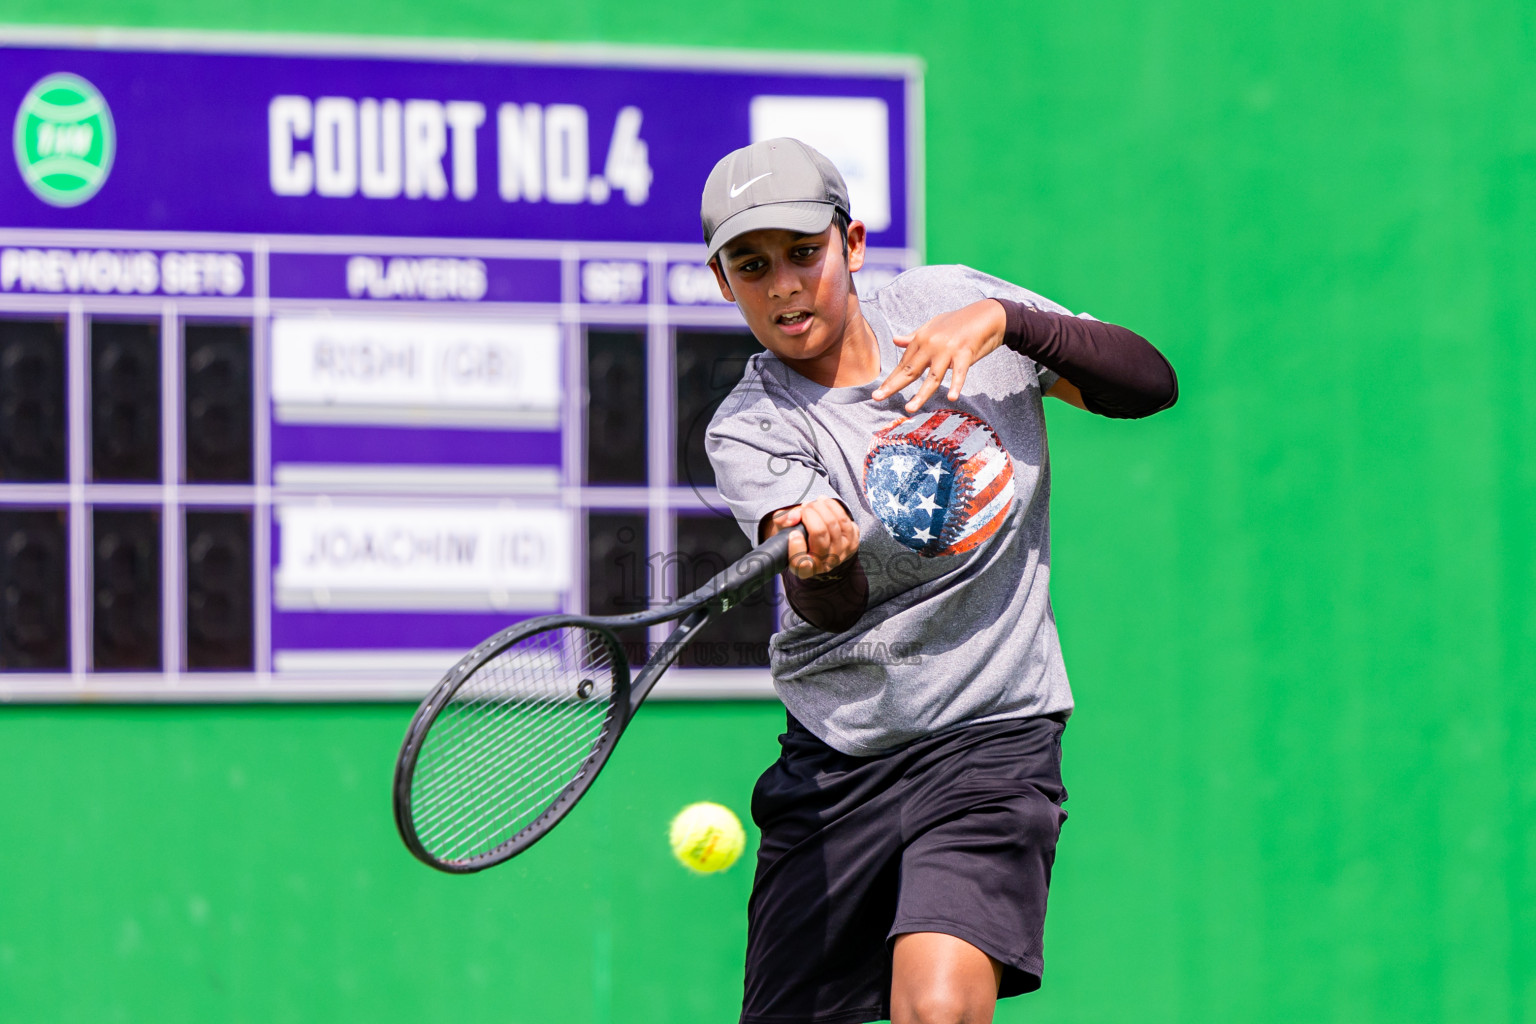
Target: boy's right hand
{"points": [[831, 536]]}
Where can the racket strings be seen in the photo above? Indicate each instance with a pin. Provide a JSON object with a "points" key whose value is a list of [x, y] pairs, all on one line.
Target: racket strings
{"points": [[461, 822], [479, 702], [484, 750], [480, 749], [485, 745], [474, 814], [519, 730]]}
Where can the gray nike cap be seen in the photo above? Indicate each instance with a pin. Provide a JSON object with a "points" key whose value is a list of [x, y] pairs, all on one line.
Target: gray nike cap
{"points": [[776, 183]]}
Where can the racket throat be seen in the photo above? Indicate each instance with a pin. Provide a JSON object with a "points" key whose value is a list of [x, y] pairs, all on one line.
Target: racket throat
{"points": [[666, 655]]}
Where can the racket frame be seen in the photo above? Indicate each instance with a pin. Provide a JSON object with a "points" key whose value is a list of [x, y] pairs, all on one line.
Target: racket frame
{"points": [[696, 610]]}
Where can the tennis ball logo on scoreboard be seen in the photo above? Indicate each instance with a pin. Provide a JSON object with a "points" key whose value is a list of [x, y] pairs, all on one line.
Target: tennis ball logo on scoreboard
{"points": [[340, 147], [64, 140]]}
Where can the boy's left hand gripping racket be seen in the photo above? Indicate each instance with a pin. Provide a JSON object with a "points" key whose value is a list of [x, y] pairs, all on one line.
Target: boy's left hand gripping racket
{"points": [[516, 732]]}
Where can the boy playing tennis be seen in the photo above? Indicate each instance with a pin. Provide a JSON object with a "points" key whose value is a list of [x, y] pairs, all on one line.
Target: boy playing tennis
{"points": [[910, 823]]}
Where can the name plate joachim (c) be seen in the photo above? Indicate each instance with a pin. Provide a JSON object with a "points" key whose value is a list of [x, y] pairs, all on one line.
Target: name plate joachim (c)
{"points": [[424, 557]]}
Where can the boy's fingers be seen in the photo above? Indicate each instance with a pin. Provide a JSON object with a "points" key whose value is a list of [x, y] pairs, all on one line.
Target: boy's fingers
{"points": [[894, 382], [817, 537], [783, 519], [799, 559], [831, 538], [813, 543], [848, 540], [957, 381], [925, 392], [831, 546], [848, 535], [907, 371]]}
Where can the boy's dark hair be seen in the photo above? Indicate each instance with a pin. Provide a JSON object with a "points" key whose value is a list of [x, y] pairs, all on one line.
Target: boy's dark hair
{"points": [[840, 219]]}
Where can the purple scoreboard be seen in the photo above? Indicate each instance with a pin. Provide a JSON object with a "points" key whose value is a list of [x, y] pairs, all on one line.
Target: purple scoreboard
{"points": [[321, 359]]}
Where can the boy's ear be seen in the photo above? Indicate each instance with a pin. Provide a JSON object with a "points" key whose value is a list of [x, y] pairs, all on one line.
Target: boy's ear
{"points": [[856, 232], [725, 289]]}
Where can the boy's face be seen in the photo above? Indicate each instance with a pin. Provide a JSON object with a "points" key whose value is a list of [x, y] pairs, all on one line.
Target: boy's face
{"points": [[794, 290]]}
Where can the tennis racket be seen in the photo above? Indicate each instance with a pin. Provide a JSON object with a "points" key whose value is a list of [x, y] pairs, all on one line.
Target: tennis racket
{"points": [[517, 731]]}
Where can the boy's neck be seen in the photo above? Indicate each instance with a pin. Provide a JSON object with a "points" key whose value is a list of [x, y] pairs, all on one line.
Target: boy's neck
{"points": [[852, 361]]}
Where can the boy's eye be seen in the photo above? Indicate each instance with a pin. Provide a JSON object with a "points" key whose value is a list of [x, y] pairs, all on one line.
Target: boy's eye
{"points": [[750, 266], [805, 252]]}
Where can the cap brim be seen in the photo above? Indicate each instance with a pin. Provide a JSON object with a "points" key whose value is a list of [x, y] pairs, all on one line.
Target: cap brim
{"points": [[807, 218]]}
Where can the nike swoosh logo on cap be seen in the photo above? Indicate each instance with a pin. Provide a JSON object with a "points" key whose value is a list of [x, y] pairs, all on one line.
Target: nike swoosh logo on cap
{"points": [[737, 190]]}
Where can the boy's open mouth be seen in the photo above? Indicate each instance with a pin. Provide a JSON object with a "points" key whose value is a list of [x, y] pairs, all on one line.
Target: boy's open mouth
{"points": [[792, 318]]}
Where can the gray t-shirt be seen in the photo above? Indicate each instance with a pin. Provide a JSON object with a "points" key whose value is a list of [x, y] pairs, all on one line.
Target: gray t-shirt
{"points": [[951, 505]]}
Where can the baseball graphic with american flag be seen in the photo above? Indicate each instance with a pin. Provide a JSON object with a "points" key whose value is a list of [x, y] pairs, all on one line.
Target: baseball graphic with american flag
{"points": [[941, 482]]}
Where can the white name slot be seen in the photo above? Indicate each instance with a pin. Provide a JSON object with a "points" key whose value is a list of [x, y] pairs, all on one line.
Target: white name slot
{"points": [[408, 372], [336, 556]]}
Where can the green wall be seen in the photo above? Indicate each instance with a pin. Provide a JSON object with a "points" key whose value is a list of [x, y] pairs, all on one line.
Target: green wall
{"points": [[1297, 609], [173, 865]]}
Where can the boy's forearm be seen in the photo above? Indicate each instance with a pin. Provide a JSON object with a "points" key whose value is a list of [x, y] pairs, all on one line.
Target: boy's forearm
{"points": [[833, 601], [1119, 373]]}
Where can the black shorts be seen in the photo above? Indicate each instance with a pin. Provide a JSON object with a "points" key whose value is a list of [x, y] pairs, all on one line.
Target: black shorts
{"points": [[955, 833]]}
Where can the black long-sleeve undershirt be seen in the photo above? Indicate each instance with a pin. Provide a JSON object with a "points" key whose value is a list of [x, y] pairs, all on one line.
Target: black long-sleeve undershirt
{"points": [[833, 601], [1118, 372]]}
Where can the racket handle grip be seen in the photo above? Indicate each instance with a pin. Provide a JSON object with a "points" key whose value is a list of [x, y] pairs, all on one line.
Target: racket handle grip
{"points": [[763, 562]]}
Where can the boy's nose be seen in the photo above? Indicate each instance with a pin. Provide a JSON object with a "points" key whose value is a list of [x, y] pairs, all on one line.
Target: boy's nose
{"points": [[784, 280]]}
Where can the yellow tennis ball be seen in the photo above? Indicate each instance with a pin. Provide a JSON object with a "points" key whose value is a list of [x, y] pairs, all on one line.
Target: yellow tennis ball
{"points": [[707, 837]]}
